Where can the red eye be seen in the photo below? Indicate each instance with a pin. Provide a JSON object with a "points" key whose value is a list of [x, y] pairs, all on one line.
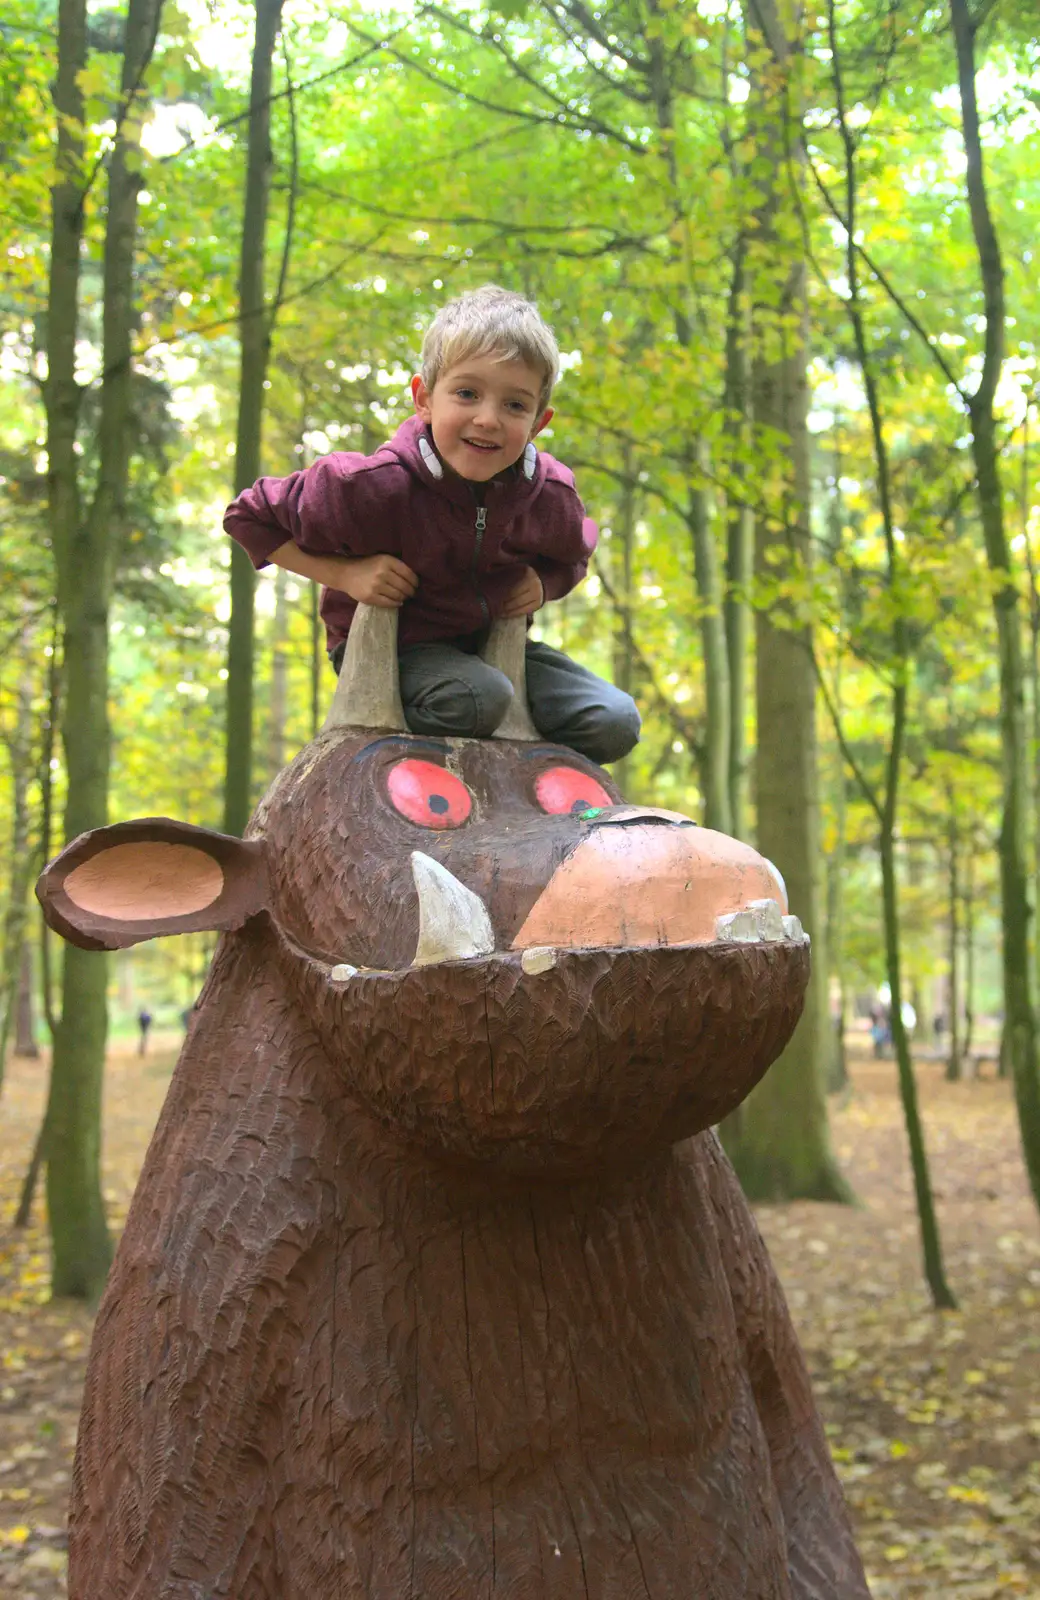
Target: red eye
{"points": [[426, 794], [564, 790]]}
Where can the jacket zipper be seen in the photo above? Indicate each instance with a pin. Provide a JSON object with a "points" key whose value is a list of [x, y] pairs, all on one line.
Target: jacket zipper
{"points": [[479, 525]]}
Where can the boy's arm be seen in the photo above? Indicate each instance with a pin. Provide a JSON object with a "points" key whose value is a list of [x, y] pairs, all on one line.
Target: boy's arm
{"points": [[377, 580], [305, 523], [559, 575], [318, 508]]}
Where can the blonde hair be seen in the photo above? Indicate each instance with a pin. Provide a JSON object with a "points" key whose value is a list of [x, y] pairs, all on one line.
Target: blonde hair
{"points": [[490, 321]]}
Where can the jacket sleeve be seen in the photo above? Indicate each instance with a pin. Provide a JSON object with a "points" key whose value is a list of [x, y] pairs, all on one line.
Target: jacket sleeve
{"points": [[570, 538], [320, 509]]}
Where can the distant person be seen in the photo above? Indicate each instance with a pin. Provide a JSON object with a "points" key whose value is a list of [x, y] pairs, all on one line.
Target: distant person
{"points": [[144, 1022], [878, 1036], [458, 521]]}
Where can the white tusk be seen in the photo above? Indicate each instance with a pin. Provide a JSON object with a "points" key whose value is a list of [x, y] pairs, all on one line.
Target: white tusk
{"points": [[769, 917], [453, 921], [538, 958], [760, 921], [738, 927], [343, 973]]}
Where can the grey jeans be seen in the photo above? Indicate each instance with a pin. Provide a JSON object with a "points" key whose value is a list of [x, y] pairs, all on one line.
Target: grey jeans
{"points": [[451, 694]]}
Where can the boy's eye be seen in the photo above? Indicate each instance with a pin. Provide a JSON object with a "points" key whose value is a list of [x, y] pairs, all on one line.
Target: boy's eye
{"points": [[466, 394], [563, 791], [428, 795]]}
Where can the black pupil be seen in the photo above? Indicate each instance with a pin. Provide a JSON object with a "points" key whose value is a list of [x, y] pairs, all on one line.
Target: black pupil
{"points": [[437, 803], [579, 805]]}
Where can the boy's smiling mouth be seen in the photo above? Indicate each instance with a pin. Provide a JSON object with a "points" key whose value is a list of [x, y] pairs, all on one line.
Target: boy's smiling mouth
{"points": [[481, 444]]}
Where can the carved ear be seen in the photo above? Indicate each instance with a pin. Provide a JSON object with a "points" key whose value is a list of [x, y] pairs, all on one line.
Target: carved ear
{"points": [[367, 691], [506, 649], [117, 886]]}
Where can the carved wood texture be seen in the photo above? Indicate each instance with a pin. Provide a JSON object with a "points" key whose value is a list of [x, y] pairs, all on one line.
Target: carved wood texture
{"points": [[436, 1284]]}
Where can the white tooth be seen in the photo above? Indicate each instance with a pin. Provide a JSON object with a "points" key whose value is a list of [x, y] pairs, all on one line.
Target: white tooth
{"points": [[794, 930], [740, 927], [453, 921], [538, 958], [344, 971], [769, 918]]}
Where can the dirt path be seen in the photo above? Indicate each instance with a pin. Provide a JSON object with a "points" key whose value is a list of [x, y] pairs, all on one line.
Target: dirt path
{"points": [[934, 1420]]}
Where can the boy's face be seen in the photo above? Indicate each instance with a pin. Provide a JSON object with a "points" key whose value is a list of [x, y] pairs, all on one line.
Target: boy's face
{"points": [[482, 413]]}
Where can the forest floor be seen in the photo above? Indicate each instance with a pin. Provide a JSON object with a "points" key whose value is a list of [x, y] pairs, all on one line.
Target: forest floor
{"points": [[934, 1419]]}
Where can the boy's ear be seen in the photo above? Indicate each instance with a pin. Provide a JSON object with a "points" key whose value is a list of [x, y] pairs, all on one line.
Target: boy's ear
{"points": [[543, 422], [421, 397], [117, 886]]}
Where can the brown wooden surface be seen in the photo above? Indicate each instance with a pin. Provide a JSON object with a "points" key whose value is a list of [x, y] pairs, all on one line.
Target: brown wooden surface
{"points": [[426, 1293]]}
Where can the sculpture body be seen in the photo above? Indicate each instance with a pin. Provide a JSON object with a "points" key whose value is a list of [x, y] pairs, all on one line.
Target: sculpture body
{"points": [[437, 1284]]}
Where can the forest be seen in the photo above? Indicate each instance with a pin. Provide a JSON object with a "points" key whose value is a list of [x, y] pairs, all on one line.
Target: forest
{"points": [[788, 255]]}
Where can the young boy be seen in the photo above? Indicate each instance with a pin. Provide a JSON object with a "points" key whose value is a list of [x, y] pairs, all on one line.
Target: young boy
{"points": [[457, 521]]}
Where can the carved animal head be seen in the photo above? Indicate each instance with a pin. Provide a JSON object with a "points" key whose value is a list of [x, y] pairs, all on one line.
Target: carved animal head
{"points": [[499, 959]]}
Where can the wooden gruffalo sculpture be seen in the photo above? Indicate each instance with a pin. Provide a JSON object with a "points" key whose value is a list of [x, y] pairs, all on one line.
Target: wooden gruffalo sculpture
{"points": [[436, 1284]]}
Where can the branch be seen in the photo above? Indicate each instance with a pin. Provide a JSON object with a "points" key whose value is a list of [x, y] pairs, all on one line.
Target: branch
{"points": [[686, 730], [575, 40], [588, 125], [308, 83], [877, 272], [839, 734], [589, 22], [128, 99]]}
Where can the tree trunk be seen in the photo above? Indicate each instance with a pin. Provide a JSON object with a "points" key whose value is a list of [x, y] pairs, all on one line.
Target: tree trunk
{"points": [[779, 1139], [317, 659], [953, 997], [969, 960], [86, 551], [13, 1016], [622, 545], [838, 1074], [24, 1015], [715, 755], [931, 1248], [279, 707], [740, 546], [901, 673], [1019, 1015], [715, 762], [254, 338]]}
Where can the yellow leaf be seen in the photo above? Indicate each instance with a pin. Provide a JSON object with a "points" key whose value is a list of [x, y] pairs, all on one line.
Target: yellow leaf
{"points": [[16, 1535]]}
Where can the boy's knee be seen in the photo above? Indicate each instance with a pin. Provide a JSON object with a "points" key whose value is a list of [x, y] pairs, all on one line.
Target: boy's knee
{"points": [[460, 708], [605, 730], [617, 730]]}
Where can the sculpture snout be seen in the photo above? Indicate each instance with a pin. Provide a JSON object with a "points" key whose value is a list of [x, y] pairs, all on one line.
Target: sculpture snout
{"points": [[643, 877]]}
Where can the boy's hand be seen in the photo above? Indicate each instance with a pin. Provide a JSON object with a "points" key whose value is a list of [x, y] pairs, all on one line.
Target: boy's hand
{"points": [[374, 580], [527, 596]]}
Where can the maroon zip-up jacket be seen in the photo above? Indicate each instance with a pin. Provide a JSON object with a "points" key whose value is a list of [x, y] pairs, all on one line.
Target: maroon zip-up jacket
{"points": [[403, 502]]}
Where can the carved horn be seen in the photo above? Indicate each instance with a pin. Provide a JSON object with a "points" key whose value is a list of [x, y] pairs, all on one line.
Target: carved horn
{"points": [[368, 693], [506, 649]]}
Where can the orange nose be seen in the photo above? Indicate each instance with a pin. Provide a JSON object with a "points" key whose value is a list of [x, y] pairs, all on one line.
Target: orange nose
{"points": [[647, 882]]}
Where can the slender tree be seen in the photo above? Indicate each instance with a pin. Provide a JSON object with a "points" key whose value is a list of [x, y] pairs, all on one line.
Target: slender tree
{"points": [[1019, 1014], [886, 805], [779, 1139], [255, 345], [86, 540]]}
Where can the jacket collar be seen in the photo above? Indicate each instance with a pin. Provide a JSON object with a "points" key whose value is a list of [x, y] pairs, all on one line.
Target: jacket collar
{"points": [[413, 446]]}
